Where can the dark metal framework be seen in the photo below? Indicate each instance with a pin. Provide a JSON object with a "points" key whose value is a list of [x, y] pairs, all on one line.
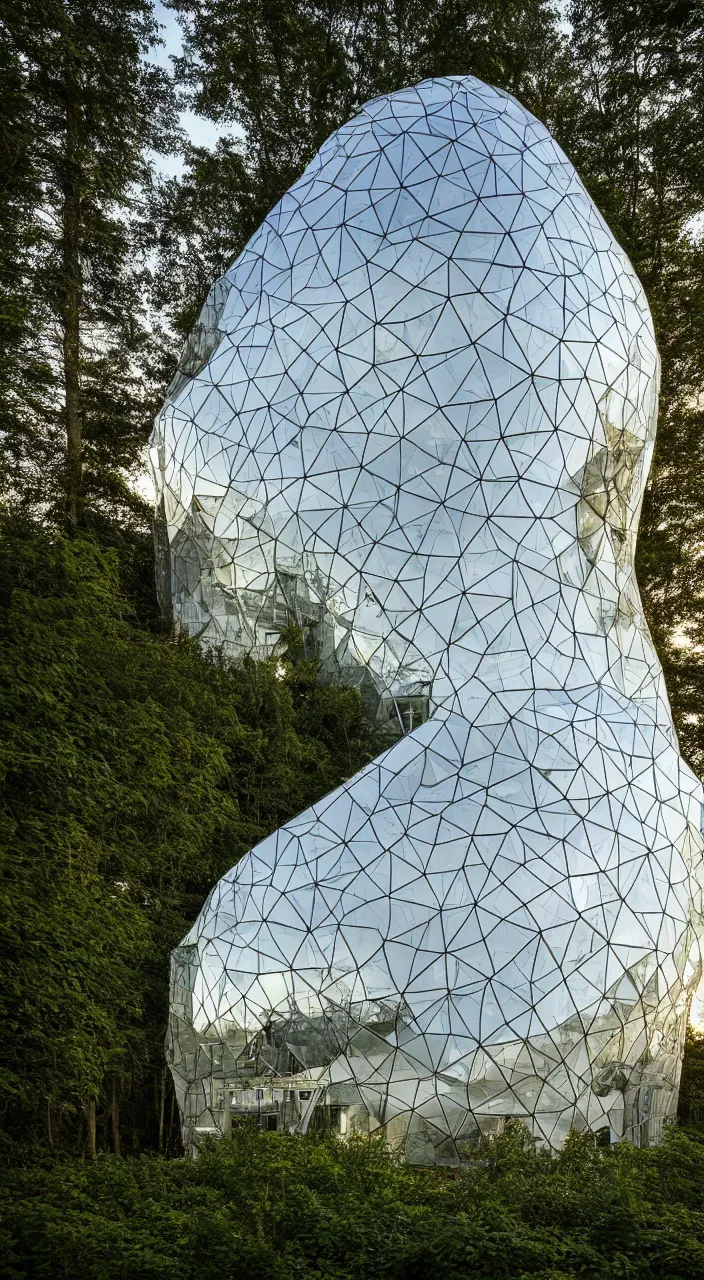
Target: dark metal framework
{"points": [[417, 415]]}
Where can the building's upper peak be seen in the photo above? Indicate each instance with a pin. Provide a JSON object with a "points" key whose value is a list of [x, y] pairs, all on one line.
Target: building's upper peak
{"points": [[432, 364]]}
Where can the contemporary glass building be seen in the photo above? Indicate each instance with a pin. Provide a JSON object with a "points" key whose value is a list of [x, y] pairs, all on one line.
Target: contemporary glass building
{"points": [[416, 416]]}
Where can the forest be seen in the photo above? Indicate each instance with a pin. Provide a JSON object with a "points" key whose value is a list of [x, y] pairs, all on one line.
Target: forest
{"points": [[135, 768]]}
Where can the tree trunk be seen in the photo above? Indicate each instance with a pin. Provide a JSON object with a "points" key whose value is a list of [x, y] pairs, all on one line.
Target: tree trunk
{"points": [[171, 1121], [90, 1122], [162, 1099], [115, 1117], [71, 306]]}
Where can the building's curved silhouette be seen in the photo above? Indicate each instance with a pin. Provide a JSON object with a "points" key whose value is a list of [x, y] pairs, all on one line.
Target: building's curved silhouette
{"points": [[417, 415]]}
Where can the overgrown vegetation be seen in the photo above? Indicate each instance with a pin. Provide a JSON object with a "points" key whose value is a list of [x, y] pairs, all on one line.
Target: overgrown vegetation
{"points": [[276, 1207], [134, 770]]}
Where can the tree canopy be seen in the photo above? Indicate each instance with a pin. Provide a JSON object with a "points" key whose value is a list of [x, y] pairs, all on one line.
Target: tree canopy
{"points": [[81, 373]]}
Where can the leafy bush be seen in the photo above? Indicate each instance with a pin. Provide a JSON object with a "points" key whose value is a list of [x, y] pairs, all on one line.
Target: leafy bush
{"points": [[274, 1207], [134, 770]]}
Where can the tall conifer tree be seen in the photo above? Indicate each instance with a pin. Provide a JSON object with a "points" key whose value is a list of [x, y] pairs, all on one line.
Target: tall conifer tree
{"points": [[87, 109]]}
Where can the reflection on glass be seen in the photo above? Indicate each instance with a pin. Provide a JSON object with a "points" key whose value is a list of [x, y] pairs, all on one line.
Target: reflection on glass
{"points": [[416, 417]]}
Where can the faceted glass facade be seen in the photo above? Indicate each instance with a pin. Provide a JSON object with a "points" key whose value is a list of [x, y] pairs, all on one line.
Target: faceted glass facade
{"points": [[417, 415]]}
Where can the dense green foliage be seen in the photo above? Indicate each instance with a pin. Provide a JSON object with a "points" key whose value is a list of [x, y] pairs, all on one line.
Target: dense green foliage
{"points": [[276, 1207], [133, 772]]}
